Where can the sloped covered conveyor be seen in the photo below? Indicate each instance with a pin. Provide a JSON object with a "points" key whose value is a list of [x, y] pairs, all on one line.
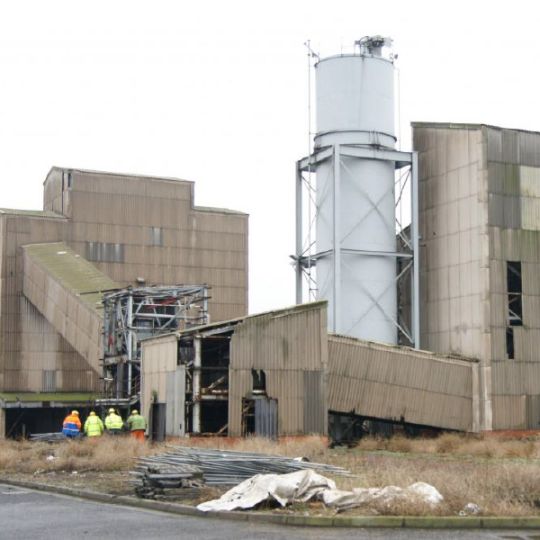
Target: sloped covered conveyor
{"points": [[68, 291]]}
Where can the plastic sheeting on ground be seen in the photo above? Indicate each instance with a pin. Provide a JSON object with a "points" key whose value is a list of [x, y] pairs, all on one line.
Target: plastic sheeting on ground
{"points": [[284, 488], [301, 486], [419, 491]]}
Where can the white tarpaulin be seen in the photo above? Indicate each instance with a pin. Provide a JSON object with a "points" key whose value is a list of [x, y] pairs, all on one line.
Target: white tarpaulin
{"points": [[301, 486], [419, 491], [284, 488]]}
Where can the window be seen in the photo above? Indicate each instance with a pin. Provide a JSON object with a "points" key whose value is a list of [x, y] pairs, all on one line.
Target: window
{"points": [[104, 252], [156, 236], [510, 343], [515, 305], [513, 287]]}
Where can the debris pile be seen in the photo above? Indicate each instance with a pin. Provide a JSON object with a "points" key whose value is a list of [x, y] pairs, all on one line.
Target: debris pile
{"points": [[299, 486], [184, 470], [166, 481], [303, 486], [221, 467]]}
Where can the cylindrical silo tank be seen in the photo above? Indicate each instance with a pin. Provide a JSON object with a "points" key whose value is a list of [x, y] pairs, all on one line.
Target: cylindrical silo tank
{"points": [[355, 109]]}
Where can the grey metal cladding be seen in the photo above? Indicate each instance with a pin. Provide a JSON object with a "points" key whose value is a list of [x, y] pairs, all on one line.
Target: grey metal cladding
{"points": [[313, 398], [510, 146], [266, 418], [49, 380], [533, 412], [494, 144], [504, 195]]}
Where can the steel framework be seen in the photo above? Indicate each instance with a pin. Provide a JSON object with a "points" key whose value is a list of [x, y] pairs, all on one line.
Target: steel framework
{"points": [[133, 314], [407, 322]]}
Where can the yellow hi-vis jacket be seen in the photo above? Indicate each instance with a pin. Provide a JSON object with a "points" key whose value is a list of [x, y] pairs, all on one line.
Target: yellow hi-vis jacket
{"points": [[113, 421], [93, 427]]}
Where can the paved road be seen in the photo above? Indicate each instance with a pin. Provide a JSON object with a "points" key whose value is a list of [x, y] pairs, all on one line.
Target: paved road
{"points": [[29, 515]]}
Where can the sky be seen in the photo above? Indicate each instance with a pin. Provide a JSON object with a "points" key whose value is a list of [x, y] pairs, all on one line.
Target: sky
{"points": [[216, 92]]}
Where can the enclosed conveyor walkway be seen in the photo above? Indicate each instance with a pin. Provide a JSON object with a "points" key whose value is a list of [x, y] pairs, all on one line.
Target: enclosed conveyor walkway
{"points": [[68, 292]]}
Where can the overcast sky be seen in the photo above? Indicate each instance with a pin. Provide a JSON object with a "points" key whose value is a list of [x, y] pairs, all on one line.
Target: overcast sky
{"points": [[216, 92]]}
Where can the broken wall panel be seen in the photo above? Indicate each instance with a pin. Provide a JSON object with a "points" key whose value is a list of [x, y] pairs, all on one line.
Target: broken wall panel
{"points": [[285, 344], [402, 385]]}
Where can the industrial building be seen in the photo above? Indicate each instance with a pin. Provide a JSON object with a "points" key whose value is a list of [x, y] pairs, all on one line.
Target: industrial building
{"points": [[115, 231], [280, 373], [122, 289], [479, 190]]}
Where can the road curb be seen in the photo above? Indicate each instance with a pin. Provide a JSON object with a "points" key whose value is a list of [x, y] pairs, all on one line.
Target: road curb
{"points": [[411, 522]]}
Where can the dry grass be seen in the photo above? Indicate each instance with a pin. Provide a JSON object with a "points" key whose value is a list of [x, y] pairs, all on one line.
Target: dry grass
{"points": [[312, 447], [457, 445], [105, 454], [501, 475]]}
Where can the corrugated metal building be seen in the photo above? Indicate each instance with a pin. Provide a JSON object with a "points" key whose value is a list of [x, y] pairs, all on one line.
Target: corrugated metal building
{"points": [[286, 358], [131, 228], [480, 225], [274, 361]]}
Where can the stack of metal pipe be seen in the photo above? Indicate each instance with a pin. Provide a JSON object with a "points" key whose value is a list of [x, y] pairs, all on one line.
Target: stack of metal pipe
{"points": [[159, 481], [221, 467]]}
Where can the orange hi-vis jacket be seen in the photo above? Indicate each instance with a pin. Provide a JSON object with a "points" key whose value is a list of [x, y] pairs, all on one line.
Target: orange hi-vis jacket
{"points": [[71, 426]]}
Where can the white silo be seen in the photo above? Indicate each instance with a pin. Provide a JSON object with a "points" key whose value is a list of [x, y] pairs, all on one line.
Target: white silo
{"points": [[355, 161]]}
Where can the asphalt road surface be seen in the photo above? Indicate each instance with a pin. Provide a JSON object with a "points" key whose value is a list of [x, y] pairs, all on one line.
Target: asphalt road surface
{"points": [[29, 515]]}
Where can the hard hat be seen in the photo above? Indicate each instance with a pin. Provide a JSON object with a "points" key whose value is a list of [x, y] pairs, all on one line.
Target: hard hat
{"points": [[92, 413], [134, 411], [111, 410], [76, 413]]}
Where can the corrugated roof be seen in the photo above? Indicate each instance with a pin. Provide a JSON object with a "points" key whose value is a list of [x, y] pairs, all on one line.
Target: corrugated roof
{"points": [[122, 175], [31, 213], [216, 209], [72, 271], [404, 348], [465, 125], [227, 323]]}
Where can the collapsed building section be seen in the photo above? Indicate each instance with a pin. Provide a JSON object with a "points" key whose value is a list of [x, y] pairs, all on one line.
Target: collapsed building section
{"points": [[280, 373], [261, 375]]}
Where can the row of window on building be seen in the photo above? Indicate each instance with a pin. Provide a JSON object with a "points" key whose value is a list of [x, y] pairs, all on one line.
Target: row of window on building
{"points": [[114, 252]]}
